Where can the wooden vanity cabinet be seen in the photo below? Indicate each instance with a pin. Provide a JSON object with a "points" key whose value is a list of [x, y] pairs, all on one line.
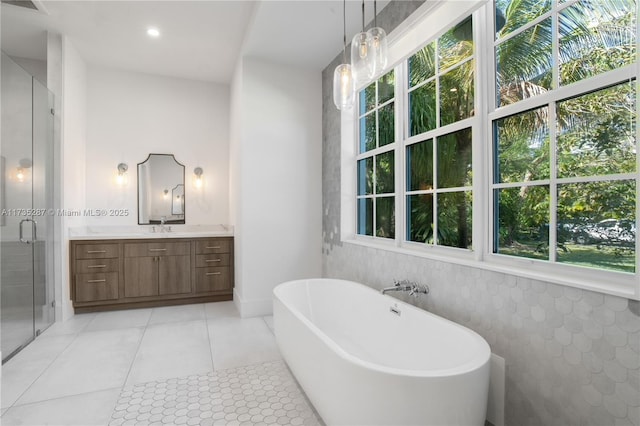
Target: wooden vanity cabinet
{"points": [[213, 266], [96, 267], [117, 274], [152, 269]]}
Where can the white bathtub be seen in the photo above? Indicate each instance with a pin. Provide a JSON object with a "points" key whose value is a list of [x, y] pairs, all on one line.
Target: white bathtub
{"points": [[361, 364]]}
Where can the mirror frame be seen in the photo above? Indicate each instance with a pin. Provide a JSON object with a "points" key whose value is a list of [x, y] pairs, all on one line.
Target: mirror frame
{"points": [[184, 210]]}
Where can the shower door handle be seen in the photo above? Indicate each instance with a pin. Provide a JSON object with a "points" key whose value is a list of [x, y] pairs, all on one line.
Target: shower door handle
{"points": [[34, 229]]}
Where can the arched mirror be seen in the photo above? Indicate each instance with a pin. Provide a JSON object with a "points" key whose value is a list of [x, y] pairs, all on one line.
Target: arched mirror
{"points": [[160, 190]]}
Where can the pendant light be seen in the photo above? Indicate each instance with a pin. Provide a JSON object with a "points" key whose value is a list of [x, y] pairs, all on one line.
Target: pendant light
{"points": [[377, 47], [360, 55], [344, 89]]}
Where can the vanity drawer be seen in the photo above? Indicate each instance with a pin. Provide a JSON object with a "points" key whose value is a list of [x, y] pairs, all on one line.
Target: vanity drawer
{"points": [[213, 246], [207, 260], [157, 249], [212, 279], [92, 266], [97, 251], [94, 287]]}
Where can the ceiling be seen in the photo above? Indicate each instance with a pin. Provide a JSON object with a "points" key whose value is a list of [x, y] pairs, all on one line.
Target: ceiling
{"points": [[200, 40]]}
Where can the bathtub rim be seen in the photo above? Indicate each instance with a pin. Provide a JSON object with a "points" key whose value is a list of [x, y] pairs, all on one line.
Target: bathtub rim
{"points": [[477, 362]]}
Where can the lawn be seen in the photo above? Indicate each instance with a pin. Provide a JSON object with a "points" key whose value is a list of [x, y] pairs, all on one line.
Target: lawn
{"points": [[591, 256]]}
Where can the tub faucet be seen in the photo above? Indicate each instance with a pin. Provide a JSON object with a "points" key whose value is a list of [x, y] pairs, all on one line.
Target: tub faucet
{"points": [[413, 288]]}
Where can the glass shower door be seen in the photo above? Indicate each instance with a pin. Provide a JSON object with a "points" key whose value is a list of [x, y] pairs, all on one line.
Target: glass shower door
{"points": [[26, 191]]}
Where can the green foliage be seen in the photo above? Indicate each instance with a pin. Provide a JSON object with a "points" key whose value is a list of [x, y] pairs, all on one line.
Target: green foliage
{"points": [[595, 132]]}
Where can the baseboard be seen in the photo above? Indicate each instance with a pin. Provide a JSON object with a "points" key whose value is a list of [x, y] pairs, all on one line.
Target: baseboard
{"points": [[253, 307]]}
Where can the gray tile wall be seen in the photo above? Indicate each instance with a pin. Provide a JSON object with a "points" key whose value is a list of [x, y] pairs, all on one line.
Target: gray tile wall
{"points": [[572, 356]]}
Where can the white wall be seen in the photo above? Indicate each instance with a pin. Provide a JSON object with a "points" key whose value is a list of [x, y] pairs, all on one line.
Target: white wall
{"points": [[235, 139], [278, 166], [131, 115], [74, 136]]}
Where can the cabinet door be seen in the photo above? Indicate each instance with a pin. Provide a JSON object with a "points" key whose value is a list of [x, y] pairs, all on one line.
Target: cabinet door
{"points": [[141, 276], [96, 286], [175, 274], [213, 279]]}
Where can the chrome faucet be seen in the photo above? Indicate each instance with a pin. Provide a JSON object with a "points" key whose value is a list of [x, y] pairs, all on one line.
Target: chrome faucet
{"points": [[413, 288], [163, 227]]}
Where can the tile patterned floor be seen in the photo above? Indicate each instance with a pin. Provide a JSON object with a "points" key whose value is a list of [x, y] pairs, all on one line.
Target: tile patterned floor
{"points": [[261, 394], [192, 364]]}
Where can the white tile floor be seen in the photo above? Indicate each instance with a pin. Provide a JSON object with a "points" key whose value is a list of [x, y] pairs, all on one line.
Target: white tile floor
{"points": [[76, 372]]}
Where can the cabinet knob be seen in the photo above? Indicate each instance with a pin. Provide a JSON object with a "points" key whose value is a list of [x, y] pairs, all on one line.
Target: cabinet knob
{"points": [[213, 260], [96, 266], [97, 281], [213, 273]]}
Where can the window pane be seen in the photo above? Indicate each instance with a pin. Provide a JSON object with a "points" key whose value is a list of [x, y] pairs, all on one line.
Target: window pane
{"points": [[524, 64], [365, 176], [368, 132], [596, 37], [368, 98], [386, 121], [422, 65], [385, 183], [365, 216], [522, 221], [597, 133], [456, 44], [454, 159], [597, 224], [522, 147], [420, 166], [422, 108], [517, 13], [386, 86], [420, 218], [385, 217], [454, 219], [456, 94]]}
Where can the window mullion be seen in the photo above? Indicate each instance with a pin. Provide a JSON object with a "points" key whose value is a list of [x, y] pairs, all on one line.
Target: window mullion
{"points": [[555, 49], [481, 34], [400, 162], [553, 184]]}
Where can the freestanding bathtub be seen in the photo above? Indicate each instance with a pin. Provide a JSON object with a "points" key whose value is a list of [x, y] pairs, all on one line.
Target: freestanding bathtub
{"points": [[364, 358]]}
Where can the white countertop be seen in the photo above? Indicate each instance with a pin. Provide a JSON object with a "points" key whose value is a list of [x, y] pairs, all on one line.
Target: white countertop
{"points": [[146, 231]]}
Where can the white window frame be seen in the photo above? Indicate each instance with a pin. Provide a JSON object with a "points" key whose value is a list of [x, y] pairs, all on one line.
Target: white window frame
{"points": [[374, 153], [429, 22]]}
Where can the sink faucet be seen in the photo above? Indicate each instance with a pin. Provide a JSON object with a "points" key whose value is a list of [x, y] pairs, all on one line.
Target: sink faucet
{"points": [[163, 227], [413, 288]]}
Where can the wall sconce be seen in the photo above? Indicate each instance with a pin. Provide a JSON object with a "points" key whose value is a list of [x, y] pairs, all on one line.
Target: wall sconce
{"points": [[22, 171], [198, 172], [20, 174], [122, 173], [166, 194]]}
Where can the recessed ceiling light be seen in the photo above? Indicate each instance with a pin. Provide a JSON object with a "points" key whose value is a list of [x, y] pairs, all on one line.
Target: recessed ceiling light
{"points": [[153, 32]]}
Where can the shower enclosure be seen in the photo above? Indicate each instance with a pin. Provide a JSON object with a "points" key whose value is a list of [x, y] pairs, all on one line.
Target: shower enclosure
{"points": [[26, 208]]}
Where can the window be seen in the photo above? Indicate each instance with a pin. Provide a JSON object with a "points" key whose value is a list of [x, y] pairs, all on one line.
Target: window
{"points": [[522, 159], [440, 92], [376, 162], [564, 172]]}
